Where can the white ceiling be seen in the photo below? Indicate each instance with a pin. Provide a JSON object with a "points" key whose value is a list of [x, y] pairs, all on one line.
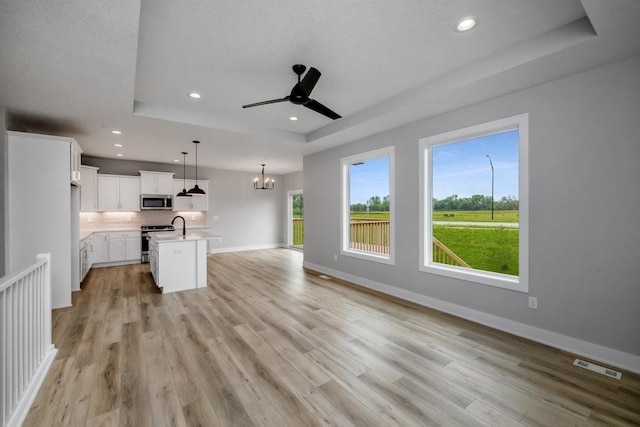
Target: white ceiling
{"points": [[82, 68]]}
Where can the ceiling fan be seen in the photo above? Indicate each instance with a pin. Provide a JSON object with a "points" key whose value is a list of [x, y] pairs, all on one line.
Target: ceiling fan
{"points": [[300, 93]]}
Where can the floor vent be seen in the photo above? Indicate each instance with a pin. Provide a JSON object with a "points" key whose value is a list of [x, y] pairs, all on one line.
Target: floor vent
{"points": [[597, 368], [325, 277]]}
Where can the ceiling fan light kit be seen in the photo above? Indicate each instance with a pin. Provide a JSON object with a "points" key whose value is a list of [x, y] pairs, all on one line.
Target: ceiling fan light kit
{"points": [[301, 91], [196, 191], [267, 184]]}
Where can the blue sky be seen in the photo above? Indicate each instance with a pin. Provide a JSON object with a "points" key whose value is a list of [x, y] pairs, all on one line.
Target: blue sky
{"points": [[463, 168], [369, 179], [460, 168]]}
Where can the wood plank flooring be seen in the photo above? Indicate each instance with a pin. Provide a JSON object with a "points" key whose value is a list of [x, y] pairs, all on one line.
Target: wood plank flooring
{"points": [[267, 343]]}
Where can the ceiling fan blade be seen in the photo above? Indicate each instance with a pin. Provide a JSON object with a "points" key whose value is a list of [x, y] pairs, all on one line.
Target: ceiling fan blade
{"points": [[319, 108], [273, 101], [310, 79]]}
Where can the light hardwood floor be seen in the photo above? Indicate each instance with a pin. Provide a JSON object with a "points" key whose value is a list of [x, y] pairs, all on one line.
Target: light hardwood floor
{"points": [[267, 343]]}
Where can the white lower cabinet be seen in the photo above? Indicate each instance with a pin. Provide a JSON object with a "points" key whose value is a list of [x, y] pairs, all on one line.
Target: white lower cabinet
{"points": [[86, 258], [100, 247], [124, 246]]}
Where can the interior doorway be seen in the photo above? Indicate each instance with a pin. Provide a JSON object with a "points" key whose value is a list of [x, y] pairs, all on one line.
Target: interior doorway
{"points": [[295, 220]]}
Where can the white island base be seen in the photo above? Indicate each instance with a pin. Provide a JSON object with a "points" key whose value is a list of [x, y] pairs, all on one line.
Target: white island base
{"points": [[179, 262]]}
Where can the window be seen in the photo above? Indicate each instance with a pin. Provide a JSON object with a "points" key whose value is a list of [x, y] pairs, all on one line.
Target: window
{"points": [[367, 205], [474, 204]]}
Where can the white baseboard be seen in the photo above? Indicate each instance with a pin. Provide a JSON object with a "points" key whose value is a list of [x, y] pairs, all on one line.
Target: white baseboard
{"points": [[21, 411], [596, 352], [246, 248]]}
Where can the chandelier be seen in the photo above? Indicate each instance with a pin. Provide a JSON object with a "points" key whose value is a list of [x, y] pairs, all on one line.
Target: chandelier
{"points": [[267, 183]]}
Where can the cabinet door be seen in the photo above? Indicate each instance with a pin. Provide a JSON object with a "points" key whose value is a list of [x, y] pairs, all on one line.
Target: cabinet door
{"points": [[165, 184], [133, 248], [201, 203], [100, 246], [108, 199], [181, 203], [148, 183], [75, 162], [129, 194], [117, 249], [88, 189]]}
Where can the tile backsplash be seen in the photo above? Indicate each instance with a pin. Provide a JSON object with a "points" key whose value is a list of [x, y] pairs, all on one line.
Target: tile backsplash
{"points": [[123, 220]]}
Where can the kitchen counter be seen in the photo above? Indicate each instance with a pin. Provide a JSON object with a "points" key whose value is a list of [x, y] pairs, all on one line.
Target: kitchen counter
{"points": [[178, 262], [177, 236], [86, 233]]}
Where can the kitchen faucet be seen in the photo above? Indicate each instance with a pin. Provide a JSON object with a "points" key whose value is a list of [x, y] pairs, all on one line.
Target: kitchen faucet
{"points": [[184, 226]]}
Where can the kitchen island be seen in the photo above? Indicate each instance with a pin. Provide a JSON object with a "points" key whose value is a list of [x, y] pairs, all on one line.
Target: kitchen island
{"points": [[179, 262]]}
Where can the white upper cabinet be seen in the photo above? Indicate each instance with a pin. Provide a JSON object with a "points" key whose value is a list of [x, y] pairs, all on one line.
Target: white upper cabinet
{"points": [[156, 183], [195, 203], [118, 193], [74, 172], [88, 188]]}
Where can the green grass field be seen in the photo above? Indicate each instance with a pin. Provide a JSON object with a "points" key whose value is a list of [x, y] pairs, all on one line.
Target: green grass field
{"points": [[476, 216], [484, 248], [373, 216], [467, 216]]}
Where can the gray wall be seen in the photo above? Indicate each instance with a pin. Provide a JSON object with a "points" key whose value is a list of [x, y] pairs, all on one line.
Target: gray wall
{"points": [[3, 174], [247, 218], [584, 200]]}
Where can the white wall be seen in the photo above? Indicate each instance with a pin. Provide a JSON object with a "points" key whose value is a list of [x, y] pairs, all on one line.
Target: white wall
{"points": [[247, 218], [584, 198], [39, 208]]}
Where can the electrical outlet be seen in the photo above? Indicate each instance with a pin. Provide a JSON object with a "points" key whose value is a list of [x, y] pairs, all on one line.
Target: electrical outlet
{"points": [[216, 218], [533, 303], [335, 257], [90, 219]]}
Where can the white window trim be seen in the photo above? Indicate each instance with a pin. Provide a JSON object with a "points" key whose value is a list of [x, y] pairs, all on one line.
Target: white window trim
{"points": [[518, 283], [345, 206]]}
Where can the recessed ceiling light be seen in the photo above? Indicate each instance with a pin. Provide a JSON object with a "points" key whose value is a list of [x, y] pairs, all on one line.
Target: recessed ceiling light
{"points": [[117, 145], [119, 154], [176, 160], [293, 118], [116, 132], [194, 95], [465, 24]]}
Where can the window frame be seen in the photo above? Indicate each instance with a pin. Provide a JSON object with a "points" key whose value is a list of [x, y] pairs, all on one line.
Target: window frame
{"points": [[345, 205], [517, 283]]}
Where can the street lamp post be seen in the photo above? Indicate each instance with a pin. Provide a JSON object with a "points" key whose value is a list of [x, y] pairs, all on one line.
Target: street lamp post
{"points": [[492, 184]]}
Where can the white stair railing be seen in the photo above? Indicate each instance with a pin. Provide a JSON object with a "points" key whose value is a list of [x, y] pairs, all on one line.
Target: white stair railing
{"points": [[26, 351]]}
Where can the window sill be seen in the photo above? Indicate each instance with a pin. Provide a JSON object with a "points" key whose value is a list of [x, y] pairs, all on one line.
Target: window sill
{"points": [[368, 256], [497, 280]]}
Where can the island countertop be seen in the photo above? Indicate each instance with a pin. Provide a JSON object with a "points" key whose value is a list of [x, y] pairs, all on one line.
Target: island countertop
{"points": [[177, 236]]}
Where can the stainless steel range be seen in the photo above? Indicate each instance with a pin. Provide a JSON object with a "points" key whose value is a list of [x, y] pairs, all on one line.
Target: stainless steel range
{"points": [[146, 229]]}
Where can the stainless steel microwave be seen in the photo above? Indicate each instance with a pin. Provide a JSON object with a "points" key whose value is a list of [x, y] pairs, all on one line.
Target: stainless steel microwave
{"points": [[156, 202]]}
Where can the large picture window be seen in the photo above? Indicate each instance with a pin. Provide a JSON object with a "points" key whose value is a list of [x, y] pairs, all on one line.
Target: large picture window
{"points": [[474, 203], [367, 205]]}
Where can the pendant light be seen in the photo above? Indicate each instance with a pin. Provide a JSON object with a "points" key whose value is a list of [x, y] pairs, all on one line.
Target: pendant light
{"points": [[267, 184], [184, 193], [196, 191]]}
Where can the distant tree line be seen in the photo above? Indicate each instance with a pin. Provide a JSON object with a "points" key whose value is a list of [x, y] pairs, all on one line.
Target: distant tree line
{"points": [[477, 202], [375, 203]]}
